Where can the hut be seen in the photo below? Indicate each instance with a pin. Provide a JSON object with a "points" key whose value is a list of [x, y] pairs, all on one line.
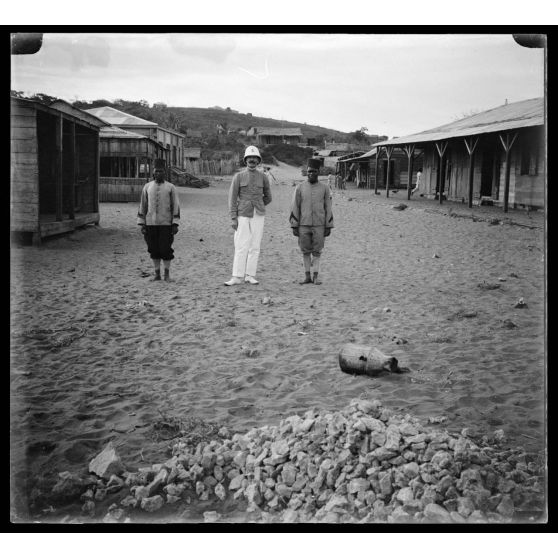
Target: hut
{"points": [[191, 154], [271, 136], [54, 168], [495, 156], [171, 140]]}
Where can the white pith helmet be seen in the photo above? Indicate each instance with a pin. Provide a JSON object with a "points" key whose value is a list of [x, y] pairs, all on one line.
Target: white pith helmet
{"points": [[252, 151]]}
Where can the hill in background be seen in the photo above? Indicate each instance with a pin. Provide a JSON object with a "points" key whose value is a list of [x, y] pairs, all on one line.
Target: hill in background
{"points": [[220, 132]]}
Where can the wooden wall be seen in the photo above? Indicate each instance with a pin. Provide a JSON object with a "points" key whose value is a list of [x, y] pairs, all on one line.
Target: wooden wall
{"points": [[24, 170], [120, 189]]}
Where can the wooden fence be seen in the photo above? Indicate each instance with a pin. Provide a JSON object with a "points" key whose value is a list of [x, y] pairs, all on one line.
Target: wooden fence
{"points": [[120, 189], [211, 167]]}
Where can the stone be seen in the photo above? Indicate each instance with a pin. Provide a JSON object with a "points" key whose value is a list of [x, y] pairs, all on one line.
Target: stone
{"points": [[290, 516], [411, 470], [106, 463], [436, 514], [152, 504], [506, 506], [385, 484], [129, 502], [220, 492], [253, 495], [88, 508], [457, 518], [210, 517], [477, 517], [160, 479], [382, 454], [279, 449], [140, 492], [465, 506], [236, 482], [358, 485], [405, 495], [288, 474], [70, 486]]}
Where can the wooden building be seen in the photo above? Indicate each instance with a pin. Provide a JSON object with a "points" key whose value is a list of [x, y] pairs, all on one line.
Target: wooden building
{"points": [[170, 140], [191, 154], [361, 168], [272, 136], [496, 156], [54, 174], [126, 154]]}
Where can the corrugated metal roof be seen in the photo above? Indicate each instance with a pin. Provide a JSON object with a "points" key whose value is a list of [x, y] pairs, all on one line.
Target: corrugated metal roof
{"points": [[119, 118], [114, 132], [279, 132], [367, 155], [522, 114], [67, 108]]}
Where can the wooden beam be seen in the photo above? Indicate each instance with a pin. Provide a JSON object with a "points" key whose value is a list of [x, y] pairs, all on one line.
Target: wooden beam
{"points": [[73, 177], [59, 161], [97, 173], [441, 148], [376, 170], [389, 153], [410, 151], [507, 145], [471, 145]]}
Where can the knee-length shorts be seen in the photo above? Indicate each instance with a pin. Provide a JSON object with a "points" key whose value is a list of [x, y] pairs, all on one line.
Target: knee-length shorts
{"points": [[159, 242], [311, 240]]}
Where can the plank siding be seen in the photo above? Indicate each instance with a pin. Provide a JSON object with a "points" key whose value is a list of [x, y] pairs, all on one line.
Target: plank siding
{"points": [[120, 189]]}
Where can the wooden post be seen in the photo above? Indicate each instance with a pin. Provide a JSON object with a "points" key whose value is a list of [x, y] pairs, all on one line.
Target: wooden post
{"points": [[389, 153], [409, 150], [471, 145], [72, 155], [97, 173], [441, 148], [378, 149], [59, 169], [507, 144]]}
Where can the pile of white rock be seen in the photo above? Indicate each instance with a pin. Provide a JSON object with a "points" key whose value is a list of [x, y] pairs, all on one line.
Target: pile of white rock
{"points": [[363, 464]]}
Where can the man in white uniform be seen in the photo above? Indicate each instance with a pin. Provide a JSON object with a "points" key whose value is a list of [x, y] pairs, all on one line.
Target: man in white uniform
{"points": [[248, 195]]}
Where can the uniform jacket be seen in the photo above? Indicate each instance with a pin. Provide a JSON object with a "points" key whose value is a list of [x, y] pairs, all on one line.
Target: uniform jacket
{"points": [[311, 206], [159, 204], [249, 190]]}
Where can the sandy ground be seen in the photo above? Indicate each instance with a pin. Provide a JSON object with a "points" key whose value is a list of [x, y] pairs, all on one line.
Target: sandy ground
{"points": [[99, 352]]}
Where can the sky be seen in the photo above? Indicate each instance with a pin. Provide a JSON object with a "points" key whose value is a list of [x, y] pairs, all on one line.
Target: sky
{"points": [[391, 84]]}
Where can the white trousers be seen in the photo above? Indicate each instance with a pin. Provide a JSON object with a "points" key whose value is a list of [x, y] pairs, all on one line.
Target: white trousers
{"points": [[247, 240]]}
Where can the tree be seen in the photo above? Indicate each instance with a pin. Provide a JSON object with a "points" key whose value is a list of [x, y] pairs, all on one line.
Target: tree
{"points": [[359, 136]]}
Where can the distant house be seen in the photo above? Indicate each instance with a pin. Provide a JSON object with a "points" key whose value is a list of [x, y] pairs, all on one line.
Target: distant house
{"points": [[192, 153], [171, 140], [497, 155], [270, 136], [54, 178]]}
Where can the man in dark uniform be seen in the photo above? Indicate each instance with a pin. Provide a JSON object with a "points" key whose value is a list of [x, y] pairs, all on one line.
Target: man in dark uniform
{"points": [[311, 220], [158, 216]]}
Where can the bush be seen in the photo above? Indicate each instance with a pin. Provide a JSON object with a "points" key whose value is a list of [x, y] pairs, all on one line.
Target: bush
{"points": [[289, 154]]}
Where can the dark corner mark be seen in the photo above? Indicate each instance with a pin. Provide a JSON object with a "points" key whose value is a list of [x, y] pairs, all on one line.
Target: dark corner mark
{"points": [[26, 43], [531, 40]]}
